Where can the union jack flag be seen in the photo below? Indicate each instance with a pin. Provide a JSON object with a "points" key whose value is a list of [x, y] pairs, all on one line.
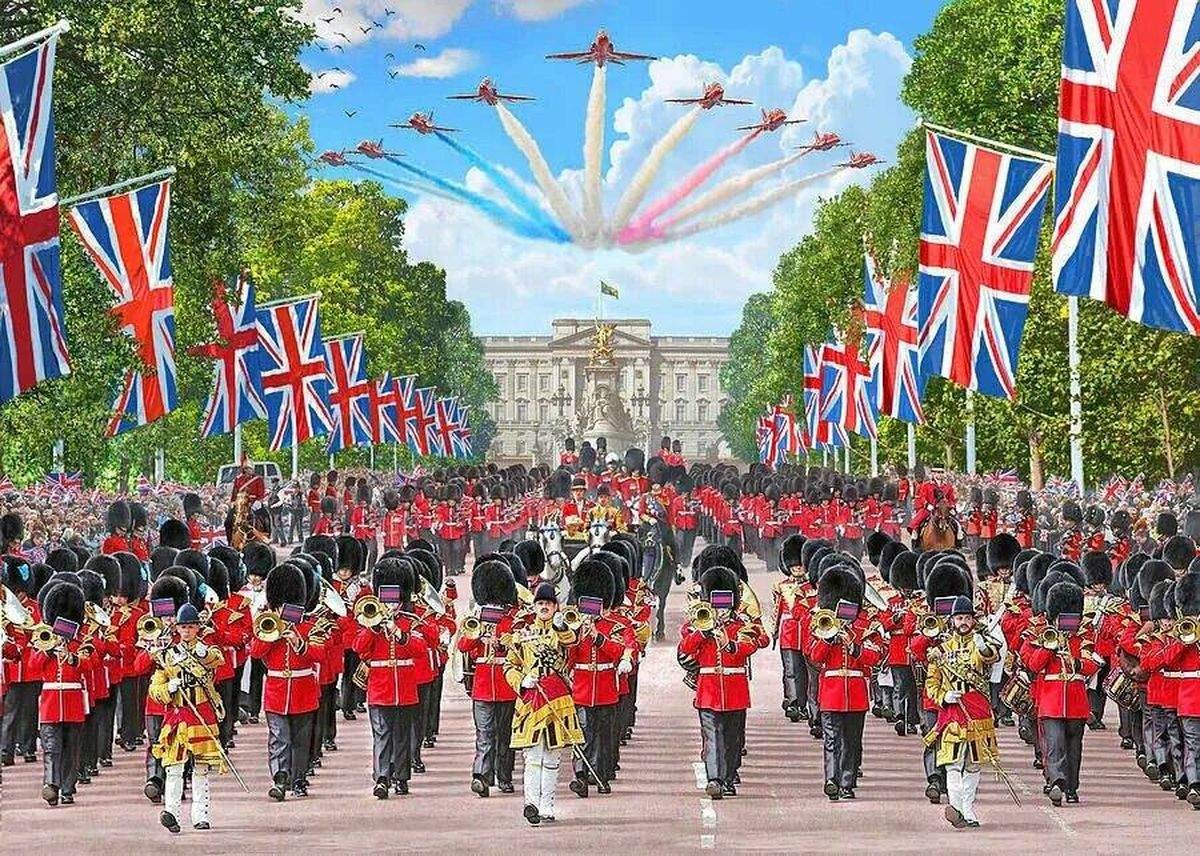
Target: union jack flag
{"points": [[33, 344], [460, 438], [818, 434], [350, 392], [411, 415], [979, 232], [441, 433], [763, 429], [382, 406], [236, 395], [126, 237], [889, 314], [6, 485], [778, 436], [847, 393], [64, 482], [1129, 159], [291, 360]]}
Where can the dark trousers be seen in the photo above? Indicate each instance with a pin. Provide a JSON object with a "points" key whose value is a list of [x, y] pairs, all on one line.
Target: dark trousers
{"points": [[391, 743], [842, 746], [906, 701], [60, 755], [932, 770], [814, 684], [720, 742], [289, 742], [596, 723], [769, 548], [416, 729], [493, 733], [252, 700], [1097, 698], [105, 715], [20, 722], [1062, 741], [132, 707], [228, 692], [154, 767], [87, 741], [433, 716], [331, 711], [793, 670], [350, 692], [1165, 746], [1190, 727]]}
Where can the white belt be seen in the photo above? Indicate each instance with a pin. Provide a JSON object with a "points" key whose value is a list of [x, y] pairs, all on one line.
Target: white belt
{"points": [[383, 664], [844, 673], [1185, 675], [721, 670], [492, 661], [62, 686], [1061, 677], [593, 667], [289, 673]]}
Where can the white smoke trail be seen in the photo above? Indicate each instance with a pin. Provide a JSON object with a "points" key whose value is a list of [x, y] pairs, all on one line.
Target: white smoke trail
{"points": [[593, 153], [555, 194], [644, 177], [730, 188], [746, 209]]}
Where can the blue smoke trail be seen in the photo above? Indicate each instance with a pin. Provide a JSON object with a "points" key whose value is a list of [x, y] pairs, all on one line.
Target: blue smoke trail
{"points": [[507, 218], [402, 183], [516, 195]]}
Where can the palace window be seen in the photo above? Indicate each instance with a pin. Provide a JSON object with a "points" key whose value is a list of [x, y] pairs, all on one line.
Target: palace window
{"points": [[702, 411], [680, 411], [702, 382], [544, 383], [680, 383], [520, 447], [501, 381], [498, 445], [543, 412], [522, 383], [522, 411]]}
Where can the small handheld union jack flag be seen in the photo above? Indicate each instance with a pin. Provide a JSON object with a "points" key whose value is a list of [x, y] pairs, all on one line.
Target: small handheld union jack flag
{"points": [[64, 482]]}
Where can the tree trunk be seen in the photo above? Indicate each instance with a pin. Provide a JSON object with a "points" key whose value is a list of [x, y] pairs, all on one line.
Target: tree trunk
{"points": [[1036, 477], [1164, 414], [949, 452], [123, 475]]}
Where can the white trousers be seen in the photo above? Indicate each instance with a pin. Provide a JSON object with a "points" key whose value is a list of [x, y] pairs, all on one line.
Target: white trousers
{"points": [[541, 778], [201, 794], [962, 783]]}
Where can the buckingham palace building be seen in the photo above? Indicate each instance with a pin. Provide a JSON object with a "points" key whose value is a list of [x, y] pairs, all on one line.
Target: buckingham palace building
{"points": [[665, 385]]}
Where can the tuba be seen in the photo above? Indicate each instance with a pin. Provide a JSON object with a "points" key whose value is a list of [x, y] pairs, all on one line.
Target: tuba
{"points": [[931, 626], [573, 618], [268, 626]]}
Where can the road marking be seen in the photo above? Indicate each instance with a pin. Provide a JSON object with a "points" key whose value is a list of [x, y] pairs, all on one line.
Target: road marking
{"points": [[701, 773], [1060, 821], [708, 814]]}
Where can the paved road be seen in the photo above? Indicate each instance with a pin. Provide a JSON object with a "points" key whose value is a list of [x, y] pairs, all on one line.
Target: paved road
{"points": [[657, 804]]}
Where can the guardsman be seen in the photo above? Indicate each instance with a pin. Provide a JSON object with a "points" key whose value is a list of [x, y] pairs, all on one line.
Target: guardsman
{"points": [[120, 523], [901, 623], [312, 498], [326, 523], [21, 679], [1025, 527], [785, 594], [684, 517], [1071, 543], [1181, 654], [193, 516]]}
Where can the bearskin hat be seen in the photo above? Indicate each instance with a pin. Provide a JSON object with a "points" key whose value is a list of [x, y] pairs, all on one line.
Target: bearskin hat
{"points": [[161, 558], [1065, 597], [195, 560], [1161, 600], [349, 553], [925, 560], [109, 570], [839, 583], [875, 543], [132, 582], [1002, 551], [391, 500], [532, 555], [1097, 568], [981, 566], [119, 517], [730, 490], [491, 582], [1151, 573], [946, 579], [191, 580], [887, 555], [991, 497], [63, 559], [285, 584], [592, 579], [619, 566], [810, 547], [62, 600], [1024, 500], [232, 560], [1037, 568], [218, 578], [138, 515], [1191, 524], [626, 551], [428, 566], [976, 496], [1187, 595], [396, 571], [191, 504], [635, 460], [328, 505], [12, 528], [903, 571], [407, 493], [259, 559], [718, 578], [1120, 522], [587, 456], [1178, 551], [1166, 524], [1131, 567], [569, 444], [722, 555], [17, 575], [322, 544], [1071, 512], [1038, 598], [791, 552], [170, 586], [813, 566], [174, 533]]}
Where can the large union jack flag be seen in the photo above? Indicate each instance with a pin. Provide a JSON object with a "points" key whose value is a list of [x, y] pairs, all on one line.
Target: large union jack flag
{"points": [[350, 392], [460, 437], [236, 395], [889, 314], [415, 413], [33, 344], [847, 391], [818, 434], [382, 410], [126, 236], [291, 360], [1128, 183], [979, 232]]}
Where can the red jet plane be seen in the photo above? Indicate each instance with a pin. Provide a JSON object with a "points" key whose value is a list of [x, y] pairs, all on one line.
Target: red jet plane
{"points": [[373, 149], [600, 52], [822, 142], [772, 120], [422, 123], [333, 158], [714, 96], [858, 160], [488, 94]]}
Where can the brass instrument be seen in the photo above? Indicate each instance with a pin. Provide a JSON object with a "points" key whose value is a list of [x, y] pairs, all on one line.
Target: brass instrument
{"points": [[1052, 639], [43, 638], [13, 612], [472, 627], [703, 617], [360, 676], [573, 618], [268, 626], [825, 625], [431, 597], [369, 611], [1186, 631], [931, 626], [96, 615], [150, 628]]}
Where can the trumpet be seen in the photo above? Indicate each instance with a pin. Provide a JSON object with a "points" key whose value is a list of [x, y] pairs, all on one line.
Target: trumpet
{"points": [[43, 638], [573, 618], [1187, 631], [150, 628], [825, 624], [703, 617], [1052, 639], [472, 627], [931, 625], [268, 626], [369, 611]]}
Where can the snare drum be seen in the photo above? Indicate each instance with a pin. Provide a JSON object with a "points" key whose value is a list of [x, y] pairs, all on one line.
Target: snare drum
{"points": [[1121, 688], [1016, 694]]}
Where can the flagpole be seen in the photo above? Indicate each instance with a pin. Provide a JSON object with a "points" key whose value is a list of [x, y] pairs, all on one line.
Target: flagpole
{"points": [[371, 452], [970, 432], [237, 443], [160, 464], [1076, 428], [874, 457], [912, 446], [295, 461], [395, 459], [846, 459], [148, 178], [58, 455], [34, 38], [942, 129]]}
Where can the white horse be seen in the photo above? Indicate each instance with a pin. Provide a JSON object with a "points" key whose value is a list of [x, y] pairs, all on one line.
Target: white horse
{"points": [[558, 568], [599, 534]]}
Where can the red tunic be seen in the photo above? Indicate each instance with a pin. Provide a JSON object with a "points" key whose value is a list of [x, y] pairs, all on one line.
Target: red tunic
{"points": [[487, 655], [594, 663], [63, 698], [844, 674], [290, 685], [391, 680], [723, 682], [1060, 692]]}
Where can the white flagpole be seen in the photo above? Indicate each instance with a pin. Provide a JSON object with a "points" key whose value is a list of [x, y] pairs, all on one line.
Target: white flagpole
{"points": [[395, 459], [371, 452], [58, 455], [160, 465], [825, 457], [874, 457], [970, 432], [34, 38], [912, 446], [1076, 428], [237, 443], [148, 178], [295, 461]]}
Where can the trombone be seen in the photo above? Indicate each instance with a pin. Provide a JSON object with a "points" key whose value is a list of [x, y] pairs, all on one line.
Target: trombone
{"points": [[1186, 630]]}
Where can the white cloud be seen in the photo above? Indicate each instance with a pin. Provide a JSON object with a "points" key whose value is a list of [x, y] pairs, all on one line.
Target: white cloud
{"points": [[537, 10], [362, 20], [698, 284], [330, 80], [449, 62]]}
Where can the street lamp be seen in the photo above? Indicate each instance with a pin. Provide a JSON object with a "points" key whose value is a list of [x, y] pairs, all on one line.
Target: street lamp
{"points": [[560, 399], [639, 401]]}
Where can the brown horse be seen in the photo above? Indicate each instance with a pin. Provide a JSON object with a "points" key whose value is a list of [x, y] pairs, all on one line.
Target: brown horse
{"points": [[939, 531]]}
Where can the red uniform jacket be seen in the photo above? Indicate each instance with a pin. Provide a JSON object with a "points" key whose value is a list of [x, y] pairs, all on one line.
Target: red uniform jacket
{"points": [[18, 660], [723, 683], [1184, 661], [1061, 688], [290, 685], [487, 655], [391, 680], [594, 663], [63, 698], [845, 671]]}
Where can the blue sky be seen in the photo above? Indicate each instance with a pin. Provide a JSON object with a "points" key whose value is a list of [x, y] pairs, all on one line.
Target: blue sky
{"points": [[837, 62]]}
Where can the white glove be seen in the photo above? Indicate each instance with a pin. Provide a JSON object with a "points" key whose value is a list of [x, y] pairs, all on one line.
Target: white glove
{"points": [[444, 637], [173, 685], [201, 649], [529, 682], [624, 667], [982, 641], [953, 697], [558, 622]]}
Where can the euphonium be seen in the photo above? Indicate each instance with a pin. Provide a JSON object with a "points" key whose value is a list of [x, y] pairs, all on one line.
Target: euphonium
{"points": [[1051, 639], [1186, 631], [703, 617], [931, 625], [43, 638], [149, 628], [825, 625], [573, 618], [268, 626], [368, 611], [472, 627]]}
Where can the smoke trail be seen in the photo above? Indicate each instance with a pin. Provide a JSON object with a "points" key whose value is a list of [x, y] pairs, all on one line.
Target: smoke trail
{"points": [[403, 183], [730, 188], [593, 153], [641, 226], [644, 177], [507, 218], [759, 203], [516, 195], [541, 172]]}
